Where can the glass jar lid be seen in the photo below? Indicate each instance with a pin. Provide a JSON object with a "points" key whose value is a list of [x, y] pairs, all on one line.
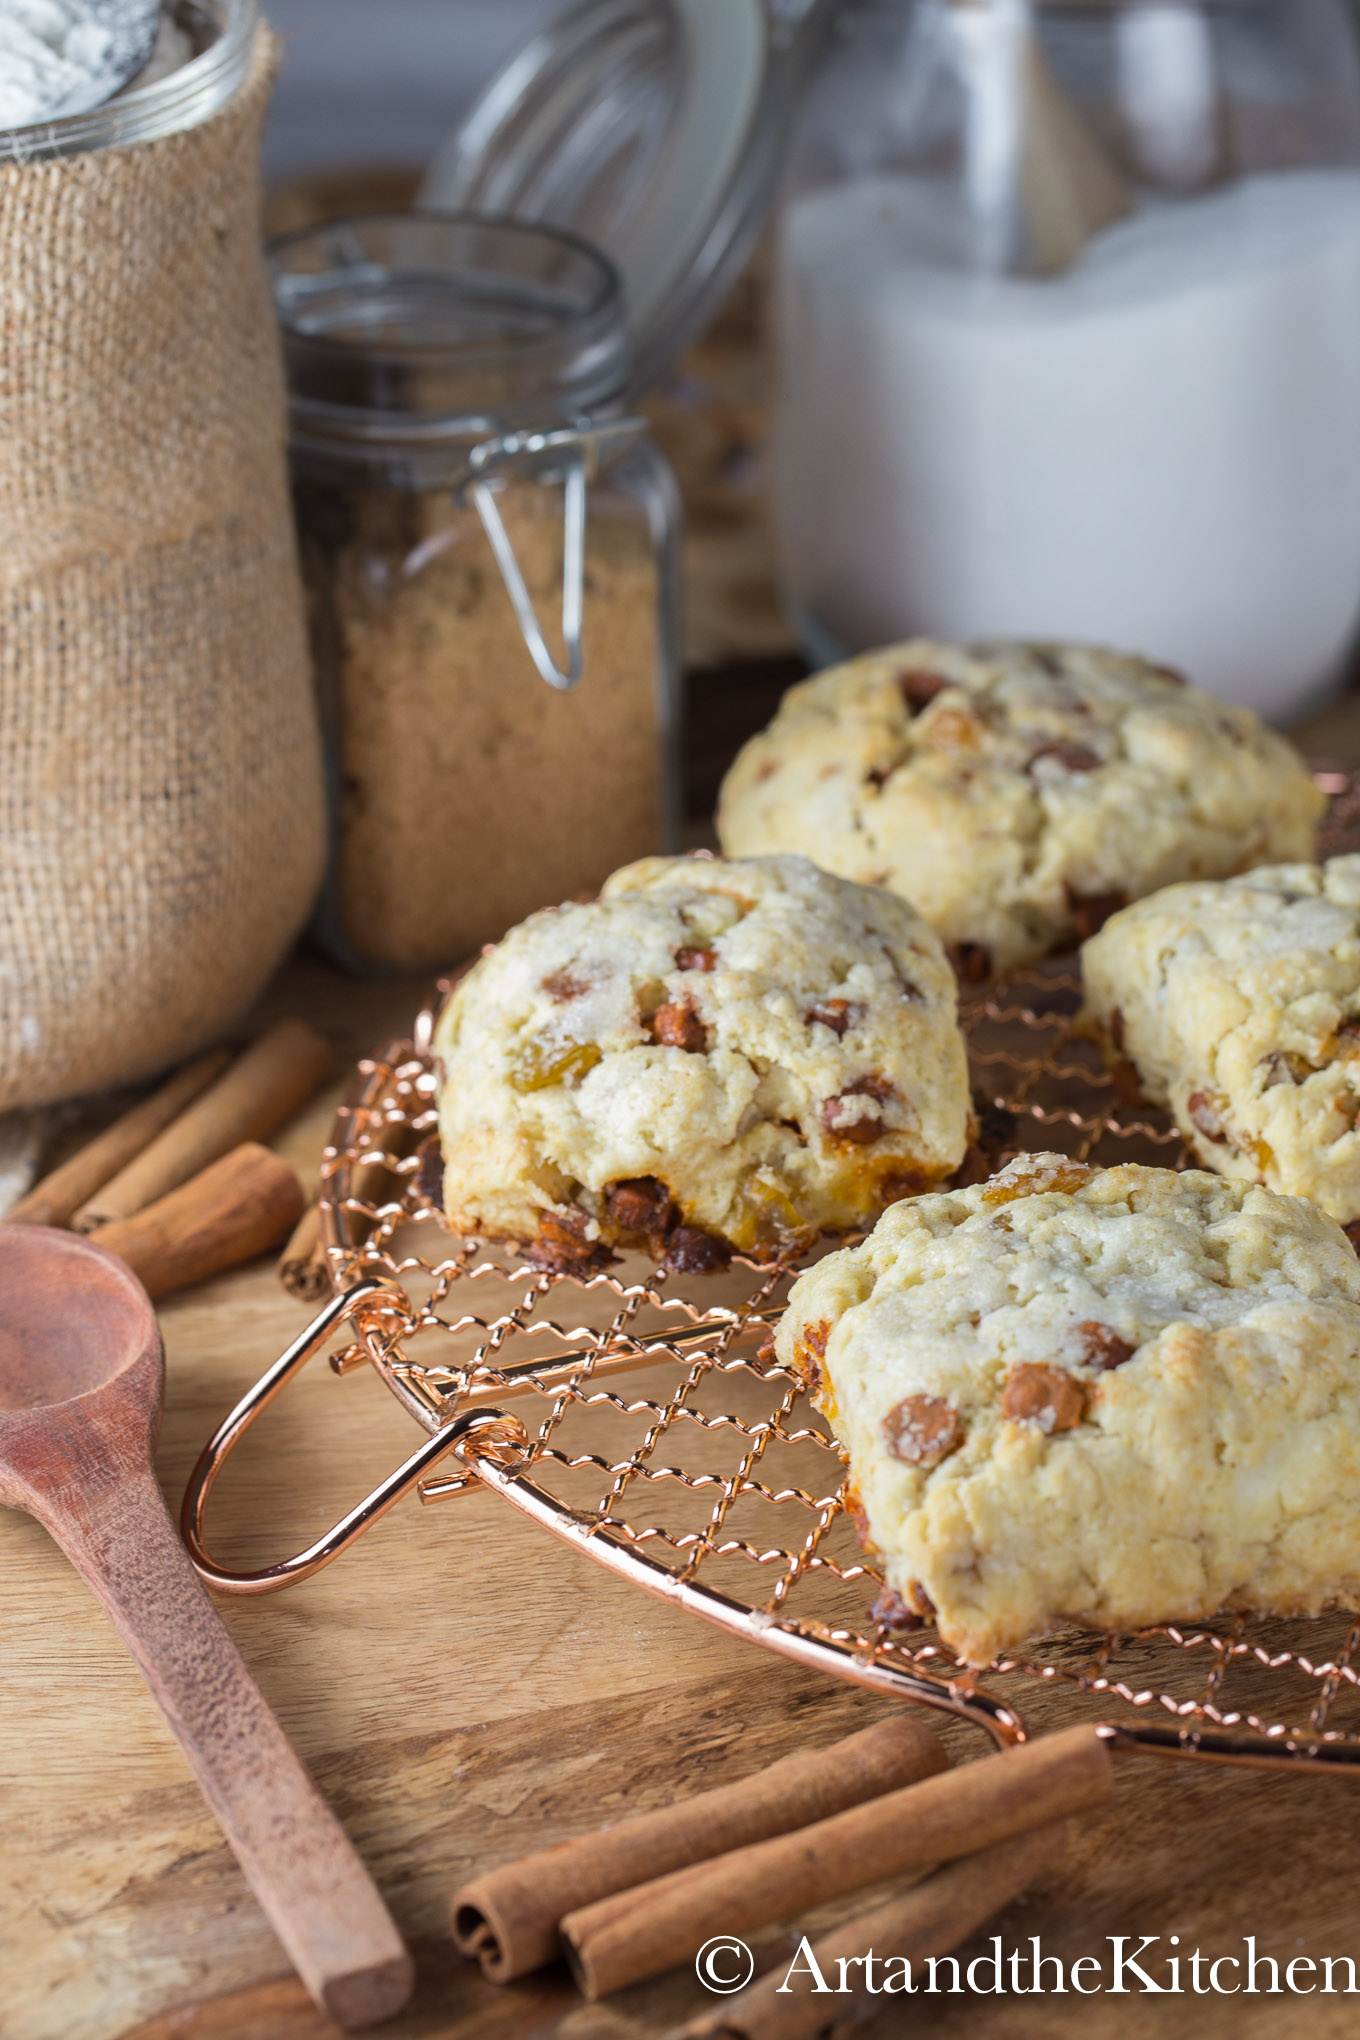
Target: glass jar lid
{"points": [[422, 331], [656, 130]]}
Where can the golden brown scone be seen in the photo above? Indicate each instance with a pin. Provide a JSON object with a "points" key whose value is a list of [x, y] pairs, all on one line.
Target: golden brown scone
{"points": [[1016, 794], [710, 1056], [1111, 1397], [1239, 1006]]}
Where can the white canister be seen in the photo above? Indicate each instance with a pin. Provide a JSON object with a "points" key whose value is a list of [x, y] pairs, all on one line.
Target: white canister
{"points": [[1068, 323]]}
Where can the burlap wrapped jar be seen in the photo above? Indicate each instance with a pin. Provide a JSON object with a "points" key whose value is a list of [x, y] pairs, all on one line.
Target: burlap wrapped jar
{"points": [[161, 816]]}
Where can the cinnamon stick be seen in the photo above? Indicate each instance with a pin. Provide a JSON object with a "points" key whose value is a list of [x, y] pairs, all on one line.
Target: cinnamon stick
{"points": [[931, 1919], [58, 1195], [264, 1087], [241, 1206], [636, 1934], [303, 1267], [508, 1919]]}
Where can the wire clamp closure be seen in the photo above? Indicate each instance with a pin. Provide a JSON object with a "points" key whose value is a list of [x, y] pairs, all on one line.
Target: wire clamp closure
{"points": [[571, 455]]}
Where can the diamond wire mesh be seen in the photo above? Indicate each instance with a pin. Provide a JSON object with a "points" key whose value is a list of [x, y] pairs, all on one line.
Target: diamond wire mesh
{"points": [[706, 1455]]}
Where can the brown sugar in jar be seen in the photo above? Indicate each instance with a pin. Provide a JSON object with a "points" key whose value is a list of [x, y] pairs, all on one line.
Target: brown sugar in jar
{"points": [[475, 776], [469, 793]]}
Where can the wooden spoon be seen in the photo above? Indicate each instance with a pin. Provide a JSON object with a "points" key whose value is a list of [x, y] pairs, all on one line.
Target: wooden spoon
{"points": [[81, 1376]]}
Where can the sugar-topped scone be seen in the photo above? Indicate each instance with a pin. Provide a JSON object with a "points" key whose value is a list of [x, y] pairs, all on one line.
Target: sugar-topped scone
{"points": [[1017, 794], [709, 1056], [1109, 1397], [1239, 1007]]}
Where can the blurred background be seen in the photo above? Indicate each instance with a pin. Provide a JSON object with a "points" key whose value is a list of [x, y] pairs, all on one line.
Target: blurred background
{"points": [[382, 83]]}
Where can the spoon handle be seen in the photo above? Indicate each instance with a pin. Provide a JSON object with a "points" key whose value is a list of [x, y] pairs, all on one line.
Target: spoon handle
{"points": [[299, 1861]]}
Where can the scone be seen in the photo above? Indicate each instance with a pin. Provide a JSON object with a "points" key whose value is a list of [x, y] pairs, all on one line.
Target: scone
{"points": [[1239, 1007], [1017, 794], [1110, 1397], [710, 1056]]}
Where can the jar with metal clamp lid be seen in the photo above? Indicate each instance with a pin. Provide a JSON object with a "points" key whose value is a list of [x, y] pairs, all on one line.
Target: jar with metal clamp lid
{"points": [[490, 549]]}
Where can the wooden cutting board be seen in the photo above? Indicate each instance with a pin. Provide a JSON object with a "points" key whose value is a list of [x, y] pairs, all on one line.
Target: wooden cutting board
{"points": [[465, 1689]]}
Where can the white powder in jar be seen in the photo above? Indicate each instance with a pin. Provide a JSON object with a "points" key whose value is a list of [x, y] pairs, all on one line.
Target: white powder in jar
{"points": [[60, 57], [1158, 450]]}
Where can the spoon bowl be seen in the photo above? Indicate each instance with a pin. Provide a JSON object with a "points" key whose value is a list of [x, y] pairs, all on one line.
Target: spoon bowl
{"points": [[104, 1326]]}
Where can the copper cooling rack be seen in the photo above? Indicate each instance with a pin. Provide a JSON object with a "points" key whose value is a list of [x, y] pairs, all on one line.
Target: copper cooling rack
{"points": [[637, 1416]]}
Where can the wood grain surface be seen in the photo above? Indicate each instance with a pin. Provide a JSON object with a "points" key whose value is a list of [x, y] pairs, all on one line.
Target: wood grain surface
{"points": [[465, 1689]]}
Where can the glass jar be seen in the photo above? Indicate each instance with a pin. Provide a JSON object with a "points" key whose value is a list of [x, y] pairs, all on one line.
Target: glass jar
{"points": [[1068, 317], [203, 53], [490, 551]]}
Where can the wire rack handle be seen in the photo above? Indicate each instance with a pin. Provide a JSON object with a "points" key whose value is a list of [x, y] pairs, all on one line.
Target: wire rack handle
{"points": [[269, 1579]]}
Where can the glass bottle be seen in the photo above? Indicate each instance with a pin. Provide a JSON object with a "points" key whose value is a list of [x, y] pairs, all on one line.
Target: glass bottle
{"points": [[490, 549], [1068, 320]]}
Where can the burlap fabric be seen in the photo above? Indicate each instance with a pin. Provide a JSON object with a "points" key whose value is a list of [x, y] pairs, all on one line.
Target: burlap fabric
{"points": [[161, 820]]}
